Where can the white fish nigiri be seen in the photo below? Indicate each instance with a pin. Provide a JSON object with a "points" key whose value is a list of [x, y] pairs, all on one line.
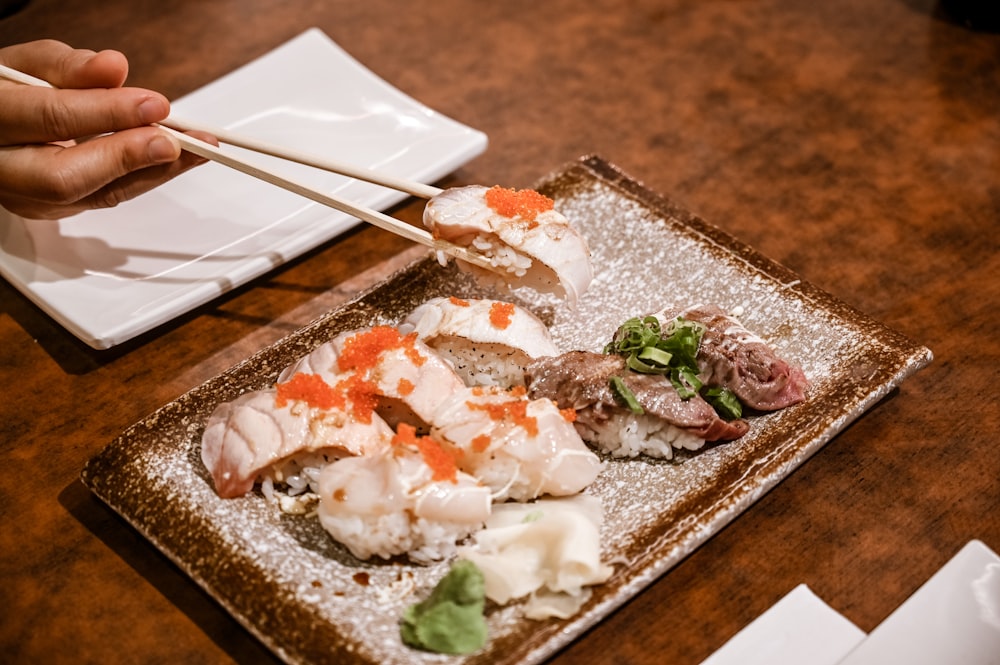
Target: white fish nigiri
{"points": [[488, 342], [519, 447], [410, 499], [520, 232], [409, 378], [264, 433]]}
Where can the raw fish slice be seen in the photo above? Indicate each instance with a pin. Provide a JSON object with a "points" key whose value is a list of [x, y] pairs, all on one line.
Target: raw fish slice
{"points": [[732, 357], [581, 380], [482, 320], [259, 431], [395, 503], [321, 361], [488, 342], [410, 379], [519, 447], [521, 233]]}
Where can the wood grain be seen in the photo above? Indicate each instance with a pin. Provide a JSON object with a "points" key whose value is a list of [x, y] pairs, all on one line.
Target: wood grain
{"points": [[855, 142]]}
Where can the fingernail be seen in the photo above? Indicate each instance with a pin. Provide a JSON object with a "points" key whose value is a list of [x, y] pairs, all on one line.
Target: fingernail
{"points": [[162, 148], [152, 110]]}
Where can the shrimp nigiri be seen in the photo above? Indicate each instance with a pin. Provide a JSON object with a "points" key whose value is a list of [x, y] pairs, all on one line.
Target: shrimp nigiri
{"points": [[521, 448], [269, 434], [409, 499], [408, 378], [520, 232]]}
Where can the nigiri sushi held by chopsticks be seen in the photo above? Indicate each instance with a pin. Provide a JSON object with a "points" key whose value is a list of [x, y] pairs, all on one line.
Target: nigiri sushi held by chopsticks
{"points": [[438, 242]]}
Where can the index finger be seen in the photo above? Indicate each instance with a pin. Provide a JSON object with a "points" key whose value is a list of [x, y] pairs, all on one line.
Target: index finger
{"points": [[43, 115], [66, 67]]}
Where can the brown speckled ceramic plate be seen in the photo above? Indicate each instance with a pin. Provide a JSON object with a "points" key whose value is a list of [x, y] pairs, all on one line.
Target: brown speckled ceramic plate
{"points": [[305, 597]]}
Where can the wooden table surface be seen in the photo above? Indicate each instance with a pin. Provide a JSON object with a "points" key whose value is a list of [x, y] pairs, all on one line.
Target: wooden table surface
{"points": [[855, 142]]}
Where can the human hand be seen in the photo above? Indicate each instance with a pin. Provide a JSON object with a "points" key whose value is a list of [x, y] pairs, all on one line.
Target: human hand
{"points": [[48, 167]]}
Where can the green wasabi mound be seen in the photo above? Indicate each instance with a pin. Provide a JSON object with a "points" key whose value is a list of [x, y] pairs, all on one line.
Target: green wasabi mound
{"points": [[451, 619]]}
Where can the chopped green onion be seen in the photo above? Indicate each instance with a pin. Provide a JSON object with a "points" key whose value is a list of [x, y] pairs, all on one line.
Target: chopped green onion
{"points": [[682, 338], [622, 391], [686, 382], [725, 402], [655, 356], [636, 365], [670, 350]]}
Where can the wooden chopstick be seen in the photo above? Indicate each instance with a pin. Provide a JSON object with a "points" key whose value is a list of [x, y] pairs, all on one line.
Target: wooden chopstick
{"points": [[374, 217], [20, 77], [411, 187]]}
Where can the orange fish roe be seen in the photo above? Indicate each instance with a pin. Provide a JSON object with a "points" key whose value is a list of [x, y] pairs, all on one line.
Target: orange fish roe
{"points": [[569, 415], [442, 464], [411, 351], [405, 387], [500, 313], [515, 411], [526, 203], [405, 435], [518, 391], [481, 443], [458, 302], [362, 395], [362, 351], [311, 389]]}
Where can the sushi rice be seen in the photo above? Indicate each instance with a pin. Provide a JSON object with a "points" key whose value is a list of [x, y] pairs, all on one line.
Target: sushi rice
{"points": [[626, 434]]}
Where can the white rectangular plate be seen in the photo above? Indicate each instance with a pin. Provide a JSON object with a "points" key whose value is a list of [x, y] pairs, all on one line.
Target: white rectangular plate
{"points": [[953, 618], [799, 628], [109, 275]]}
